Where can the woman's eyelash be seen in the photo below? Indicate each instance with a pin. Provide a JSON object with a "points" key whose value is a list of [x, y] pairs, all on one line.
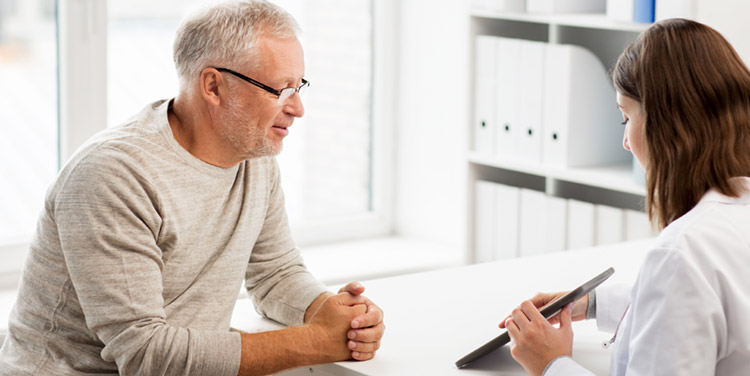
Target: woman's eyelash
{"points": [[625, 122]]}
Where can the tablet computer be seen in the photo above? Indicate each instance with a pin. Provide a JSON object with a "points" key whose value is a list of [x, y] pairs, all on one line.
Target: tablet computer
{"points": [[549, 310]]}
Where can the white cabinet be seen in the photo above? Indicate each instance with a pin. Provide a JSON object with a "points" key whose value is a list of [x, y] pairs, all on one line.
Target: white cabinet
{"points": [[494, 157]]}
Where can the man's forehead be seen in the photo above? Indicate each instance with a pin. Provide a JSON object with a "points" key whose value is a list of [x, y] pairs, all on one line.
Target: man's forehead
{"points": [[282, 58]]}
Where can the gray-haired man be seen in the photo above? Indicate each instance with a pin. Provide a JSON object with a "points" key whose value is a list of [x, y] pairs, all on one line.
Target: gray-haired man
{"points": [[150, 229]]}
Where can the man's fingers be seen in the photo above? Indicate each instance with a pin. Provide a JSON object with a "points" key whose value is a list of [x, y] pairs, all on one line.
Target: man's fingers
{"points": [[358, 355], [348, 299], [372, 317], [368, 334], [363, 346], [354, 288]]}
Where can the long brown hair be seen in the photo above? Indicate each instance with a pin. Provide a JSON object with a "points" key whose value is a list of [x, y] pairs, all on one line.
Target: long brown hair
{"points": [[694, 90]]}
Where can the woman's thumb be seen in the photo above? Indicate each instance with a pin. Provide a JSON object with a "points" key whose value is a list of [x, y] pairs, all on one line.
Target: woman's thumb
{"points": [[565, 319]]}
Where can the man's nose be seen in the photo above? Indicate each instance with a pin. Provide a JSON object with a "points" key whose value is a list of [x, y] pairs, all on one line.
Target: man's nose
{"points": [[293, 106]]}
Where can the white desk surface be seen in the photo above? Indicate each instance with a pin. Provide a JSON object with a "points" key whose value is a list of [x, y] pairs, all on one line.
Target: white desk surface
{"points": [[434, 318]]}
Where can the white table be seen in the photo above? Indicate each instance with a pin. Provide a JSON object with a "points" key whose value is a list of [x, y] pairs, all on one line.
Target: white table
{"points": [[434, 318]]}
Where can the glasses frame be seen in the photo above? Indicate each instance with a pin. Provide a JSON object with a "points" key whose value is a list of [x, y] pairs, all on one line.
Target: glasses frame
{"points": [[278, 93]]}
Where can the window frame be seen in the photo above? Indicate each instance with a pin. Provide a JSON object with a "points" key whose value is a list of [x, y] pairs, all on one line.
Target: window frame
{"points": [[379, 220]]}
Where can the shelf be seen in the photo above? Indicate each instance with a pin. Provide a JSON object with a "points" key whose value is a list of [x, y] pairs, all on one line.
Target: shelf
{"points": [[614, 177], [585, 20]]}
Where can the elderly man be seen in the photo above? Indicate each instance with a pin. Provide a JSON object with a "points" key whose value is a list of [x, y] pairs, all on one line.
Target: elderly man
{"points": [[150, 229]]}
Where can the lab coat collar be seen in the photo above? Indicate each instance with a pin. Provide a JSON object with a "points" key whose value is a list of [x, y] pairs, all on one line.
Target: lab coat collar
{"points": [[715, 196]]}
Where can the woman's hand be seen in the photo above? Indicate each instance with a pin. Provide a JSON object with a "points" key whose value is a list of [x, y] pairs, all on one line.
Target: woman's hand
{"points": [[580, 306], [534, 341]]}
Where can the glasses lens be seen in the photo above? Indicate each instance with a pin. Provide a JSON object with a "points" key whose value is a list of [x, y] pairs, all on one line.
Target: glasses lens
{"points": [[285, 94]]}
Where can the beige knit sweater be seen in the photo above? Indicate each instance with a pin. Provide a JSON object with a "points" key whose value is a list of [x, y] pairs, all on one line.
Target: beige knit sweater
{"points": [[139, 255]]}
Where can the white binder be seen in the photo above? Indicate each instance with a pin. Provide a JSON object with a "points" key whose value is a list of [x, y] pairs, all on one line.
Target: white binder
{"points": [[482, 4], [499, 5], [580, 224], [531, 239], [580, 113], [484, 99], [609, 225], [637, 225], [507, 210], [621, 10], [531, 87], [484, 221], [565, 6], [507, 130], [676, 9], [508, 5], [555, 224]]}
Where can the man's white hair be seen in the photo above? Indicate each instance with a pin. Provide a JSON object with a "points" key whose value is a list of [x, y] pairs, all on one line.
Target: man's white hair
{"points": [[220, 34]]}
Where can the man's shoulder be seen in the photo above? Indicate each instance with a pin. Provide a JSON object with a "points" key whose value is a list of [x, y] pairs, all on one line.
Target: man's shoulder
{"points": [[134, 141], [111, 150]]}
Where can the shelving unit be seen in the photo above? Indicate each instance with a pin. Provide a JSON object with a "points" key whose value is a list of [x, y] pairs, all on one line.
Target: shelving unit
{"points": [[615, 177], [611, 184], [586, 20]]}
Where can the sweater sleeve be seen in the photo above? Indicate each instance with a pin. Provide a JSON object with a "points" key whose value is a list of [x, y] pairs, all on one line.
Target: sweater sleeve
{"points": [[108, 222], [281, 286]]}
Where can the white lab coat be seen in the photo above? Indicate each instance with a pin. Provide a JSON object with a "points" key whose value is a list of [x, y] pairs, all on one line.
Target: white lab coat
{"points": [[689, 308]]}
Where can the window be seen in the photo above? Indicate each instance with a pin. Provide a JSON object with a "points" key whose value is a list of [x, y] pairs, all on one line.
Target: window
{"points": [[28, 114], [332, 166]]}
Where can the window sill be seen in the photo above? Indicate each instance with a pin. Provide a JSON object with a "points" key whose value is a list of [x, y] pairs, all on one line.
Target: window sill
{"points": [[343, 262]]}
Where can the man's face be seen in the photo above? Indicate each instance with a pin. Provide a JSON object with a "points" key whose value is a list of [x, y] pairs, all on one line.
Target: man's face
{"points": [[252, 122]]}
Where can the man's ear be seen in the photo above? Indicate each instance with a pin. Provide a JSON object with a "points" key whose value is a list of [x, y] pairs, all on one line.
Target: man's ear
{"points": [[212, 85]]}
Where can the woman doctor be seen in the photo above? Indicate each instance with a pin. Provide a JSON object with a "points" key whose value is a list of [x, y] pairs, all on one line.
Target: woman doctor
{"points": [[684, 94]]}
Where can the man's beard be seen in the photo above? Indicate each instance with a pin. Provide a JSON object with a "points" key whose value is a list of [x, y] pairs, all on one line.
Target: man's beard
{"points": [[247, 140]]}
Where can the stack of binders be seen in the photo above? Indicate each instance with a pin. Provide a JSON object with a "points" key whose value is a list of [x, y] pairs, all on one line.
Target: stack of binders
{"points": [[539, 103], [499, 5], [518, 222], [676, 9], [648, 11], [580, 113], [565, 6]]}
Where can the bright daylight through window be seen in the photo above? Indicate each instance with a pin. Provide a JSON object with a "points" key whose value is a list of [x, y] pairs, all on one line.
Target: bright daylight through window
{"points": [[28, 114]]}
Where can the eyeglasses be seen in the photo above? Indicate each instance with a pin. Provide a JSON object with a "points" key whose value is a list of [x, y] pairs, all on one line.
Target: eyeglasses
{"points": [[283, 94]]}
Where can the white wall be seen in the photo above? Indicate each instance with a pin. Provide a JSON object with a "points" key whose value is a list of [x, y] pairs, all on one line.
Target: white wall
{"points": [[731, 18], [431, 121]]}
